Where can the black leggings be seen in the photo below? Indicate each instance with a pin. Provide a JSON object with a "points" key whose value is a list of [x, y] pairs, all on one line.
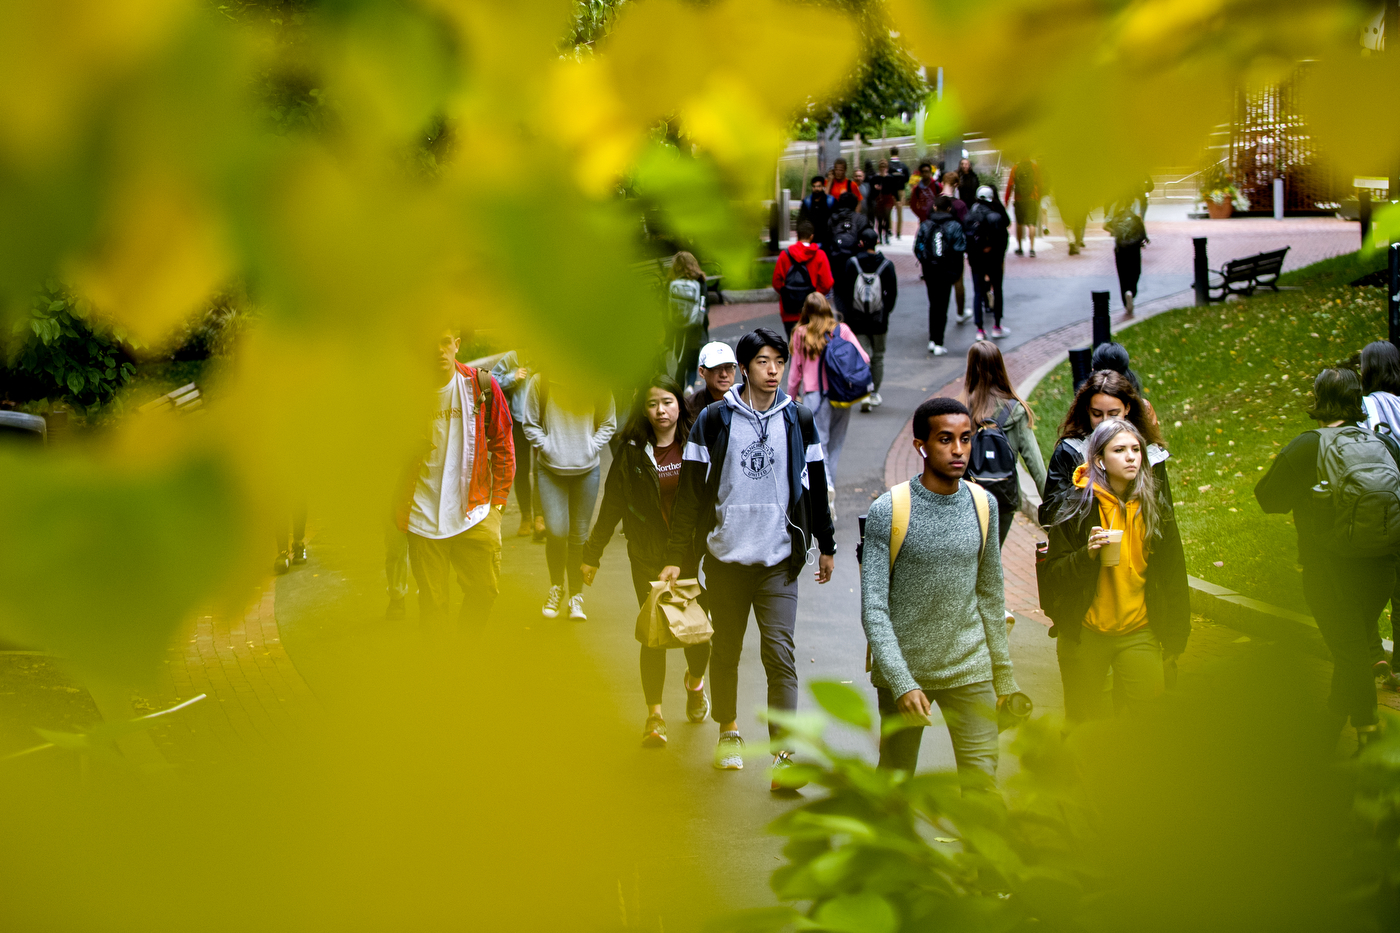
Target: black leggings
{"points": [[1128, 259], [524, 491], [653, 660]]}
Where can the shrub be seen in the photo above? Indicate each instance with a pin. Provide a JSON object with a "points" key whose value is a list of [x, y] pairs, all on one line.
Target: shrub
{"points": [[58, 352]]}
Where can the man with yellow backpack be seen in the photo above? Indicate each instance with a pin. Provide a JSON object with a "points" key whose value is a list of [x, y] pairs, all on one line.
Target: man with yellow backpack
{"points": [[931, 602]]}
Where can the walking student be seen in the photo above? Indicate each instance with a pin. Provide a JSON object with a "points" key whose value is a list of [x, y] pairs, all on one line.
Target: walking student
{"points": [[1380, 385], [900, 172], [1344, 591], [1104, 395], [871, 290], [801, 270], [716, 367], [987, 232], [939, 247], [1129, 237], [512, 376], [640, 492], [688, 320], [1024, 185], [931, 603], [1122, 606], [924, 197], [817, 208], [807, 377], [968, 183], [994, 405], [568, 428], [450, 503], [752, 504], [838, 184]]}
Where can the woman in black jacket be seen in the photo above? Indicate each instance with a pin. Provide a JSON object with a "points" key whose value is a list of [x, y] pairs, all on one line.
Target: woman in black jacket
{"points": [[640, 489], [1103, 395], [1131, 615]]}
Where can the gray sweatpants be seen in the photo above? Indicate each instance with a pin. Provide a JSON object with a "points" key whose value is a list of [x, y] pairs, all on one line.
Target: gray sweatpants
{"points": [[732, 589]]}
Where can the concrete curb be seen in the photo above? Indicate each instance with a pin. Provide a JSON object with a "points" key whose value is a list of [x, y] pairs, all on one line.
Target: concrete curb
{"points": [[1253, 617]]}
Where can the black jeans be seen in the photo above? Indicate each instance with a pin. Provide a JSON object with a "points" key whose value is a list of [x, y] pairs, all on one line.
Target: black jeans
{"points": [[653, 660], [524, 491], [940, 291], [1346, 597], [734, 589], [1128, 259], [986, 282]]}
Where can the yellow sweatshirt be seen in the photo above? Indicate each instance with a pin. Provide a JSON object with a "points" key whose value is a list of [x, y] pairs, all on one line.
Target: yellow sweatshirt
{"points": [[1120, 605]]}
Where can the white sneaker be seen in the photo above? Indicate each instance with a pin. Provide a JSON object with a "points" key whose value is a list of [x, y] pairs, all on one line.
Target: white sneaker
{"points": [[937, 350], [875, 400], [932, 347], [961, 318], [551, 605], [576, 609], [1128, 302], [1000, 332], [865, 405]]}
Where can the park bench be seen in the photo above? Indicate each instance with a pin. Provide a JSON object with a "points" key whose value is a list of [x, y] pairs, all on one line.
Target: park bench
{"points": [[184, 399], [22, 428], [656, 270], [1243, 276]]}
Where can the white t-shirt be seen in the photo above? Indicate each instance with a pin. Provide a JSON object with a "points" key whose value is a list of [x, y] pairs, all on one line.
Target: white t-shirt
{"points": [[437, 499]]}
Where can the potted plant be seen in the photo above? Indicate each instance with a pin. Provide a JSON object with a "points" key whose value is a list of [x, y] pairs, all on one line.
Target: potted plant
{"points": [[1220, 193]]}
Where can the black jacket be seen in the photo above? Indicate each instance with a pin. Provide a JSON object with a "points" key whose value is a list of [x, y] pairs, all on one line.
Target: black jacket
{"points": [[968, 183], [1066, 458], [1072, 574], [846, 286], [693, 513], [632, 495]]}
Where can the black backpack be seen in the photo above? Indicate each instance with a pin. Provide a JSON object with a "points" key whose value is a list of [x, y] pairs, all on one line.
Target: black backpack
{"points": [[984, 228], [845, 234], [1128, 230], [992, 462], [797, 285]]}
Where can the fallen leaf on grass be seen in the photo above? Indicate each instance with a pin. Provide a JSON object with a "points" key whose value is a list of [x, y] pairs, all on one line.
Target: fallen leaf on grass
{"points": [[1221, 563], [1203, 488]]}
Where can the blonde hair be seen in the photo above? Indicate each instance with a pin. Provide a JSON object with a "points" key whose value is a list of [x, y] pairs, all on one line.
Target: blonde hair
{"points": [[810, 340], [685, 266]]}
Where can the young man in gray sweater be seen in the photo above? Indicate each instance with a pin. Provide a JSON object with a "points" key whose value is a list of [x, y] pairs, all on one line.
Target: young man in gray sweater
{"points": [[746, 504], [935, 618]]}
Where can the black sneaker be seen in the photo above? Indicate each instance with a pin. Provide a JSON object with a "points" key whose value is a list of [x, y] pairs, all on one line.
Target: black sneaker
{"points": [[283, 563], [299, 553], [782, 762]]}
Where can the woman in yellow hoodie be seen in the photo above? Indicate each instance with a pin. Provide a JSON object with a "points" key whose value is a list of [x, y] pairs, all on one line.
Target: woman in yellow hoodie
{"points": [[1132, 618]]}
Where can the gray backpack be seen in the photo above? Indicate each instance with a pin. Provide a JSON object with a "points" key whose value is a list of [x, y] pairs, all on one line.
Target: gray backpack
{"points": [[1357, 473], [687, 298]]}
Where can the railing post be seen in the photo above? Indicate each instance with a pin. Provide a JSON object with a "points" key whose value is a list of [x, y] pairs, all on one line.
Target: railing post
{"points": [[1278, 198], [1102, 333], [1363, 200], [1202, 271], [1393, 294]]}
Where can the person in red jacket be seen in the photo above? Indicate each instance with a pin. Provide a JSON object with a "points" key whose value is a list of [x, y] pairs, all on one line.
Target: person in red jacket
{"points": [[789, 280], [450, 504]]}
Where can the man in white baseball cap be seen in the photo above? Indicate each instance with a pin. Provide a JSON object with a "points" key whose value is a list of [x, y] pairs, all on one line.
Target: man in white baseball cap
{"points": [[717, 366]]}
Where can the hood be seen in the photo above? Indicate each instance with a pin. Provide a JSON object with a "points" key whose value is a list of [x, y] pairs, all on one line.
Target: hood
{"points": [[736, 402], [940, 216], [1081, 476], [801, 252]]}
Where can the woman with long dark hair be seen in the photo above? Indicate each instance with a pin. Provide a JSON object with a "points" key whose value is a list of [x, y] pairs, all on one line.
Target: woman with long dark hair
{"points": [[640, 490], [1105, 394], [1114, 356], [1118, 574], [1380, 385], [988, 394]]}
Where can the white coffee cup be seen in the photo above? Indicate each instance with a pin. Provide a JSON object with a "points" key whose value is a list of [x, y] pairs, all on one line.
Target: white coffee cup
{"points": [[1113, 550]]}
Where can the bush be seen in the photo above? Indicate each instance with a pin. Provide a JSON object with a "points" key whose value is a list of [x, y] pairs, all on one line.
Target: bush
{"points": [[57, 352]]}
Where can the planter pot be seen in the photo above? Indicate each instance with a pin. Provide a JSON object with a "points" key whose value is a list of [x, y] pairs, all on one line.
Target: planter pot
{"points": [[1221, 210]]}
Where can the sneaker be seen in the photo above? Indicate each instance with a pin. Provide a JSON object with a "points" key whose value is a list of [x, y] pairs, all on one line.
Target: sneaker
{"points": [[932, 346], [937, 350], [782, 762], [729, 753], [999, 332], [1128, 303], [298, 553], [875, 400], [697, 704], [1073, 249], [527, 527], [961, 317], [865, 405], [539, 529], [576, 609], [1018, 251], [1383, 673], [283, 563], [654, 733], [1032, 254], [981, 334], [395, 611], [551, 604]]}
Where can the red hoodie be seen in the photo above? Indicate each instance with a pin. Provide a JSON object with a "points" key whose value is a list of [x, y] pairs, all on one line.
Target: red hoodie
{"points": [[491, 477], [811, 256]]}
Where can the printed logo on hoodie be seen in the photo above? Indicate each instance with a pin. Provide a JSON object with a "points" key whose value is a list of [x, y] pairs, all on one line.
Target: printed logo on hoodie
{"points": [[757, 460]]}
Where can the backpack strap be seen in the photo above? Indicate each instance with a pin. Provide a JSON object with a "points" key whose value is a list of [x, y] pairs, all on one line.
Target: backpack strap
{"points": [[984, 511], [484, 394], [1005, 414], [901, 502]]}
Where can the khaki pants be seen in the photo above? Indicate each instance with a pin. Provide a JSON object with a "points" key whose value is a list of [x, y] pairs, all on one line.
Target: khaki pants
{"points": [[476, 556], [1136, 662]]}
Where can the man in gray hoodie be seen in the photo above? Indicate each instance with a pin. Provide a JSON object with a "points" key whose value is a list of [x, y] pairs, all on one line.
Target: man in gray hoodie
{"points": [[745, 504], [934, 615]]}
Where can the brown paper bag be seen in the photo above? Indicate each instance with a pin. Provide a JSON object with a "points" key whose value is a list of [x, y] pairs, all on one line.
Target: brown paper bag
{"points": [[672, 616]]}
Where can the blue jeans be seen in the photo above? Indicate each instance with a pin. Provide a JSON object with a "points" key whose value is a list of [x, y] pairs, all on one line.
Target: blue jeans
{"points": [[568, 503], [969, 711]]}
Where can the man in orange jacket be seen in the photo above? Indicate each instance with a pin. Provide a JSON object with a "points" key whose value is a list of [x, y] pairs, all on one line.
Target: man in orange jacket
{"points": [[450, 505]]}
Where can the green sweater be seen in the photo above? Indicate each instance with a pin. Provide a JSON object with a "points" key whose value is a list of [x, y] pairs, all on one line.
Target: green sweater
{"points": [[939, 620]]}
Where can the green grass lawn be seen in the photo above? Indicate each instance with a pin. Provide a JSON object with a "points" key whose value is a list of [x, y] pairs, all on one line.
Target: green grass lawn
{"points": [[1231, 385]]}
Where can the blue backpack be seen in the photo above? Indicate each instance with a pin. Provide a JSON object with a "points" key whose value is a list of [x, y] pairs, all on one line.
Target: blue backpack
{"points": [[847, 374]]}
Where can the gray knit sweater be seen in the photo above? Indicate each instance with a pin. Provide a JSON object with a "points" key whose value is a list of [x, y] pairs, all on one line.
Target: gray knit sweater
{"points": [[939, 620]]}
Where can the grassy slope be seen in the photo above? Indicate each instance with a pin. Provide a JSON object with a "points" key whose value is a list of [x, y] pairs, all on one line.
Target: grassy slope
{"points": [[1231, 384]]}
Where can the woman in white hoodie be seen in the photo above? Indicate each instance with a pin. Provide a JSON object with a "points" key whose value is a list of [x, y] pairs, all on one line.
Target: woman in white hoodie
{"points": [[567, 428]]}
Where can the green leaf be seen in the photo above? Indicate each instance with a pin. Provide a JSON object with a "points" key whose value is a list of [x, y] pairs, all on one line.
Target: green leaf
{"points": [[58, 305], [75, 382], [857, 913], [843, 702]]}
